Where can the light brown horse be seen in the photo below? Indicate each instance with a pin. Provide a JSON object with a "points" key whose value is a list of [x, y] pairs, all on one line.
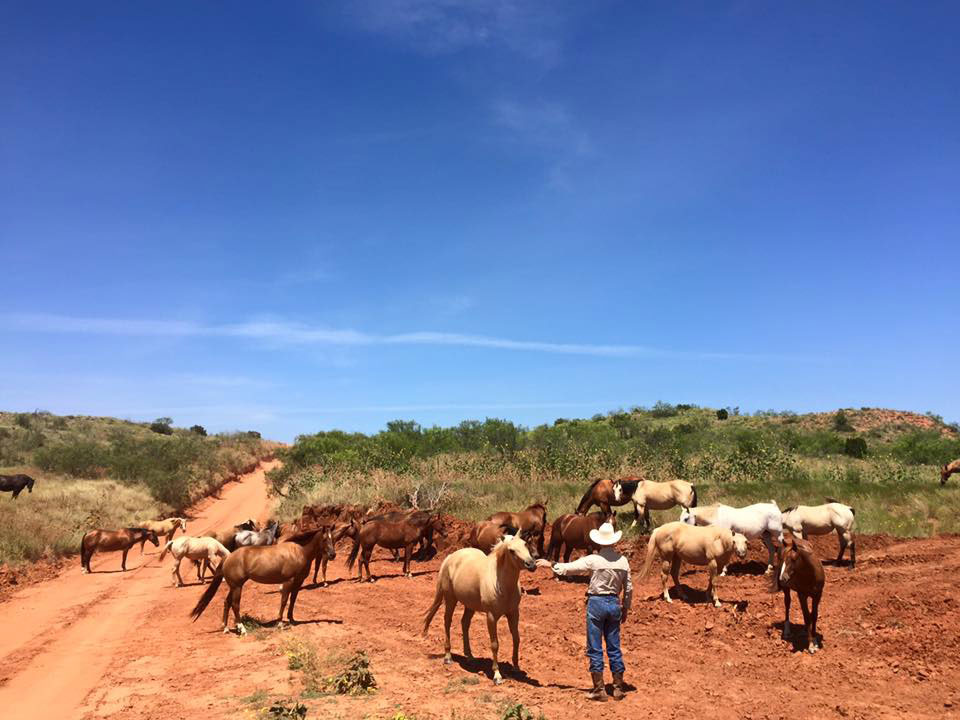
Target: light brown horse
{"points": [[652, 495], [340, 531], [604, 493], [286, 564], [573, 531], [532, 521], [800, 570], [390, 535], [102, 540], [164, 528], [947, 470], [482, 583], [418, 518]]}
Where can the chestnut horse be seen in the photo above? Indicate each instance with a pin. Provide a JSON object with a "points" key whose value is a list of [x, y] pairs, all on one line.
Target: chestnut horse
{"points": [[286, 564], [532, 521], [604, 493], [417, 518], [125, 539], [340, 531], [574, 532], [403, 534], [800, 570]]}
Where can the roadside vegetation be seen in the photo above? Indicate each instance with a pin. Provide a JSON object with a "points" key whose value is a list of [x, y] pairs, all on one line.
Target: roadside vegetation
{"points": [[104, 472], [882, 462]]}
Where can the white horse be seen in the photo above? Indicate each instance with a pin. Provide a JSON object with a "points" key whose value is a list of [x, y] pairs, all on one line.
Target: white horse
{"points": [[202, 550], [267, 536], [806, 520], [483, 583], [759, 520]]}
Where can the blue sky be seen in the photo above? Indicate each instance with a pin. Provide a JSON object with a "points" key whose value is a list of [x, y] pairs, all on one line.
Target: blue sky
{"points": [[303, 215]]}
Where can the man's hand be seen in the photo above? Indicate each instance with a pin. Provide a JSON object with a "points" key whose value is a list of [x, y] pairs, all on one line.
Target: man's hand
{"points": [[623, 614], [544, 563]]}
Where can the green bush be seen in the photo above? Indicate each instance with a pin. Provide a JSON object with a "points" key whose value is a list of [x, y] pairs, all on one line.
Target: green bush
{"points": [[198, 430], [855, 447], [841, 423], [722, 414], [79, 459], [162, 426]]}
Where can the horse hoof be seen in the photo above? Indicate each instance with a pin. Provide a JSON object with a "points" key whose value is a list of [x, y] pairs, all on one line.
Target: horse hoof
{"points": [[241, 630], [716, 603], [812, 650], [447, 661], [497, 680]]}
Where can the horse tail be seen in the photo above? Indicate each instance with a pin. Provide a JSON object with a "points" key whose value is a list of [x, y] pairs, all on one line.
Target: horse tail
{"points": [[693, 501], [354, 551], [208, 594], [587, 500], [651, 551], [437, 599], [556, 540], [166, 548]]}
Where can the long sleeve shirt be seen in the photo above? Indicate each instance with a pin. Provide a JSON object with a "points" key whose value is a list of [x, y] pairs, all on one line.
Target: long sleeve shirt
{"points": [[610, 573]]}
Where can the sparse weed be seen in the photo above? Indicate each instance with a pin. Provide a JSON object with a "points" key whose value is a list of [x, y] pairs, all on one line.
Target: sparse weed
{"points": [[355, 678]]}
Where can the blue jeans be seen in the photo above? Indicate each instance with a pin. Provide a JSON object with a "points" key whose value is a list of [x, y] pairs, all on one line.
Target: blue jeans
{"points": [[603, 621]]}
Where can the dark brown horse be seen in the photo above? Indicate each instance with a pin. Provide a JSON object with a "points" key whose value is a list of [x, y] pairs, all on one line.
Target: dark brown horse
{"points": [[418, 518], [573, 531], [800, 570], [945, 472], [391, 535], [604, 493], [286, 564], [16, 483], [532, 521], [125, 539]]}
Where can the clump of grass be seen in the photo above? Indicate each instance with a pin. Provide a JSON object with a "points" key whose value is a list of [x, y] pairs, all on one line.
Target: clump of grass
{"points": [[518, 711], [283, 710], [355, 678], [302, 656]]}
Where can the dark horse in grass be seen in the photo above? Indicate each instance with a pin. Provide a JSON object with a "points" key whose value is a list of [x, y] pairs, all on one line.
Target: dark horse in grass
{"points": [[16, 483], [125, 539]]}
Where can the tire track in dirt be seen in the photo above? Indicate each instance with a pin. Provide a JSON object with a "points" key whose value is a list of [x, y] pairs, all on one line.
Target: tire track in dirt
{"points": [[61, 636]]}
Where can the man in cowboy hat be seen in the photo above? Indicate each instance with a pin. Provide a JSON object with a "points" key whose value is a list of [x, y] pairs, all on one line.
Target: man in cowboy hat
{"points": [[610, 576]]}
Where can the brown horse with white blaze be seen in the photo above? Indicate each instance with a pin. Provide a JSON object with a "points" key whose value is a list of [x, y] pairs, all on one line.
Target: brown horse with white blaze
{"points": [[800, 570], [108, 540], [531, 522], [286, 564], [605, 492]]}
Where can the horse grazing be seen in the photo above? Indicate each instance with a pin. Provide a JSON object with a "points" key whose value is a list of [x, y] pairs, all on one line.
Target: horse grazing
{"points": [[163, 528], [800, 571], [267, 536], [202, 550], [286, 564], [573, 531], [531, 521], [384, 533], [677, 542], [651, 495], [759, 520], [604, 493], [482, 583], [945, 472], [94, 540], [16, 483], [807, 520]]}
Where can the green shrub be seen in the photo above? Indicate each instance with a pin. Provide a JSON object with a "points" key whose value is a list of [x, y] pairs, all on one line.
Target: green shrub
{"points": [[855, 447], [722, 414], [198, 430], [162, 426], [841, 423], [79, 459], [355, 679]]}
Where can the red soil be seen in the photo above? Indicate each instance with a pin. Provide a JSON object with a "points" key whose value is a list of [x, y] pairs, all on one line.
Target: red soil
{"points": [[121, 646]]}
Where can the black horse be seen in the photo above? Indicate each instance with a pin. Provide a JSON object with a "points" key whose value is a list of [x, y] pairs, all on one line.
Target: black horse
{"points": [[16, 483]]}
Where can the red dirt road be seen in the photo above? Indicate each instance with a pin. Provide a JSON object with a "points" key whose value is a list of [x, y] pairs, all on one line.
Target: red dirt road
{"points": [[122, 646]]}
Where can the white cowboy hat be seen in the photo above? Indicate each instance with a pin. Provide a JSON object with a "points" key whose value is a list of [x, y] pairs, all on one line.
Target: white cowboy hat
{"points": [[605, 535]]}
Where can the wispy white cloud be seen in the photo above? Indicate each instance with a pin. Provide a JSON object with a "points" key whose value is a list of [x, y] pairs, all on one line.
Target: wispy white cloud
{"points": [[292, 333]]}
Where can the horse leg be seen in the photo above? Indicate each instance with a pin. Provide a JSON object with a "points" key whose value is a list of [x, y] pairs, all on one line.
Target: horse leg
{"points": [[785, 635], [567, 551], [176, 572], [365, 559], [664, 576], [241, 630], [646, 517], [814, 613], [513, 620], [450, 605], [636, 513], [853, 549], [406, 560], [123, 561], [293, 598], [323, 570], [494, 646], [142, 543], [316, 568], [811, 646], [465, 629], [711, 582], [284, 594], [675, 573], [765, 536], [226, 608]]}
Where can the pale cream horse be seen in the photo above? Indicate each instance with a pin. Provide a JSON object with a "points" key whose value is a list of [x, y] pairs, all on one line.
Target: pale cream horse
{"points": [[164, 528], [199, 549], [807, 520], [678, 542], [482, 583], [652, 495]]}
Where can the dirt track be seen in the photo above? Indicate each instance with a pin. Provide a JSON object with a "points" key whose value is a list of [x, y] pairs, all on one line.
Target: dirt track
{"points": [[890, 632]]}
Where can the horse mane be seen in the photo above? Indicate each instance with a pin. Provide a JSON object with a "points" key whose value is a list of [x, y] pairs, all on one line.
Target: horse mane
{"points": [[586, 500], [137, 529], [794, 507], [304, 538]]}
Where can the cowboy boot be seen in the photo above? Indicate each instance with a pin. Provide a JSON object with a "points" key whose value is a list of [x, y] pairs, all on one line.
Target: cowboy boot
{"points": [[618, 686], [598, 693]]}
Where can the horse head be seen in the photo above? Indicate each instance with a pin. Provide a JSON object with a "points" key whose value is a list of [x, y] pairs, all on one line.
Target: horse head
{"points": [[686, 516], [183, 524], [30, 482], [796, 552], [617, 490], [515, 549], [329, 542], [944, 474], [152, 537], [740, 546], [436, 523]]}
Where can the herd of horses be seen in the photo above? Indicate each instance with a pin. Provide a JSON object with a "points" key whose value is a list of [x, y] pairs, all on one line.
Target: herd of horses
{"points": [[484, 576]]}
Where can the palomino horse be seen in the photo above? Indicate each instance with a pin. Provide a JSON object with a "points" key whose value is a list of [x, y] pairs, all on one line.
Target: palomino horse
{"points": [[202, 550], [651, 495], [532, 521], [16, 483], [267, 536], [286, 564], [573, 531], [125, 539], [945, 472], [482, 583], [758, 520], [604, 493], [807, 520], [164, 528], [800, 571], [390, 535], [678, 542]]}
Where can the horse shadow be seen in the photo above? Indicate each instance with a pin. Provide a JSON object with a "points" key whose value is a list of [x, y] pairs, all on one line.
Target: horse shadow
{"points": [[692, 596], [485, 665], [798, 636], [576, 579], [833, 562], [753, 567], [315, 585]]}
